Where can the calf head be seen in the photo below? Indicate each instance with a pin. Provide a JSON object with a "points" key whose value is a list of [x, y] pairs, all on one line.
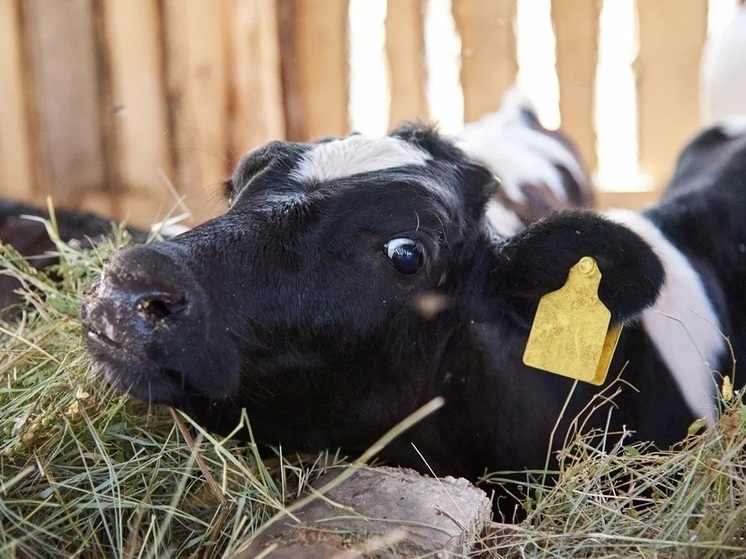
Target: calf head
{"points": [[343, 276]]}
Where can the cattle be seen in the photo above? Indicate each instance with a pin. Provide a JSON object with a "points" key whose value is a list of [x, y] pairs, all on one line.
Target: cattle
{"points": [[302, 305], [21, 226], [540, 170]]}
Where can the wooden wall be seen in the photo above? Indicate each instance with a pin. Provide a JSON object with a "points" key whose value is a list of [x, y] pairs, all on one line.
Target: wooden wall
{"points": [[125, 106]]}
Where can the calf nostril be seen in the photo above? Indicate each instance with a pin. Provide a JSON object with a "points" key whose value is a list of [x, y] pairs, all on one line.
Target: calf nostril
{"points": [[153, 308]]}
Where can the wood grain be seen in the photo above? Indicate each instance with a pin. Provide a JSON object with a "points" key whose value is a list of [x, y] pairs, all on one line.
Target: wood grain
{"points": [[313, 38], [672, 35], [257, 113], [65, 104], [16, 173], [138, 109], [405, 54], [197, 91], [488, 52], [576, 25]]}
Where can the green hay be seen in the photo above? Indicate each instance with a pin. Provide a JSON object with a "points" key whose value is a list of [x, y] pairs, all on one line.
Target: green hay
{"points": [[86, 472], [689, 501]]}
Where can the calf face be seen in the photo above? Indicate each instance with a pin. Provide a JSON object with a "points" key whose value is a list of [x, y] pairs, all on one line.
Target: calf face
{"points": [[349, 283]]}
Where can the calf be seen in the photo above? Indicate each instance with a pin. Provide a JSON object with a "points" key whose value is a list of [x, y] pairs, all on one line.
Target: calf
{"points": [[303, 304], [22, 228], [540, 170], [30, 238]]}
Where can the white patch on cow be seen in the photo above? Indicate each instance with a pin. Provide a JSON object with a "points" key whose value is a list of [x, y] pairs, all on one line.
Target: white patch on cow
{"points": [[357, 154], [504, 222], [734, 126], [682, 323], [517, 153]]}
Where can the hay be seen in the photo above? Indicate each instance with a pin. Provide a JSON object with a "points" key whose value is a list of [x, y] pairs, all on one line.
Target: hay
{"points": [[689, 501], [86, 472]]}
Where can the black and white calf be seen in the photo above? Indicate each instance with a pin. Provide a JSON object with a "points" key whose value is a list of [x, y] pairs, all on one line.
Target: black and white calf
{"points": [[540, 170], [303, 304]]}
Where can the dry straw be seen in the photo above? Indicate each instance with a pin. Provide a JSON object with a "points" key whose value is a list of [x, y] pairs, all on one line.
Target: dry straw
{"points": [[85, 472]]}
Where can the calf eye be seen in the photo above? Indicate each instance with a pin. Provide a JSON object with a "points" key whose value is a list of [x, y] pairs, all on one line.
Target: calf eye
{"points": [[406, 255]]}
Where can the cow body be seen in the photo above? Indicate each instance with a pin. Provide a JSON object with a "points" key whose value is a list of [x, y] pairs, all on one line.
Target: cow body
{"points": [[540, 170], [22, 228], [308, 304]]}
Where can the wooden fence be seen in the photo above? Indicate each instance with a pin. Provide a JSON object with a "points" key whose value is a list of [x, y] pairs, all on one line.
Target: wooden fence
{"points": [[104, 103]]}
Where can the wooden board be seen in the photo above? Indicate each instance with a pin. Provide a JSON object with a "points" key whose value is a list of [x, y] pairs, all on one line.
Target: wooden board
{"points": [[257, 113], [138, 109], [405, 54], [488, 52], [66, 99], [315, 73], [16, 174], [197, 91], [631, 200], [389, 513], [672, 34], [576, 25]]}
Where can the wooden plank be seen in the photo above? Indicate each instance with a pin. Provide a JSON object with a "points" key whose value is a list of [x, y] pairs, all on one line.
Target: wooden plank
{"points": [[576, 26], [630, 200], [64, 70], [315, 73], [672, 35], [197, 90], [385, 512], [488, 52], [257, 114], [405, 53], [139, 110], [16, 173]]}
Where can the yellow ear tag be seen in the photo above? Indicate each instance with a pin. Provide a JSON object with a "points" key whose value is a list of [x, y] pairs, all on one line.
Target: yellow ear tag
{"points": [[570, 335]]}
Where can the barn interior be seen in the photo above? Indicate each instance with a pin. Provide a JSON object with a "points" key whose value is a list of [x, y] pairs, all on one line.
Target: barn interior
{"points": [[138, 110]]}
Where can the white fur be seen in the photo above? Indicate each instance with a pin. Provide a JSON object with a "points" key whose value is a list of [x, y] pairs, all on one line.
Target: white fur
{"points": [[503, 221], [722, 76], [734, 125], [516, 153], [682, 323], [357, 154]]}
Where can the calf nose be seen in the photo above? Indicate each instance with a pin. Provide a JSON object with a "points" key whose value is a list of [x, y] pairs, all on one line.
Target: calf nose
{"points": [[140, 293]]}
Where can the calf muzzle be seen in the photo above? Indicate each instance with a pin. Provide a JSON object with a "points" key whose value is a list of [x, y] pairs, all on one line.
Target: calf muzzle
{"points": [[147, 312]]}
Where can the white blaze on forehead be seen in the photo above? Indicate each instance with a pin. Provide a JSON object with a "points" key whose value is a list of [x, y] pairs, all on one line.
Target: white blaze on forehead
{"points": [[682, 324], [357, 154]]}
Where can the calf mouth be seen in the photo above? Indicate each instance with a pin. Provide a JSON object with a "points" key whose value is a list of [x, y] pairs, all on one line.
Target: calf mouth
{"points": [[124, 361], [133, 375], [162, 364]]}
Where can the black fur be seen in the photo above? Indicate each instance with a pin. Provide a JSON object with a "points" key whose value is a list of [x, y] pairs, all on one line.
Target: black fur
{"points": [[30, 238], [287, 306]]}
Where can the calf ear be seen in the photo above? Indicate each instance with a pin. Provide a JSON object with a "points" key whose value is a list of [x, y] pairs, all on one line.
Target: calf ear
{"points": [[261, 160], [537, 261]]}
